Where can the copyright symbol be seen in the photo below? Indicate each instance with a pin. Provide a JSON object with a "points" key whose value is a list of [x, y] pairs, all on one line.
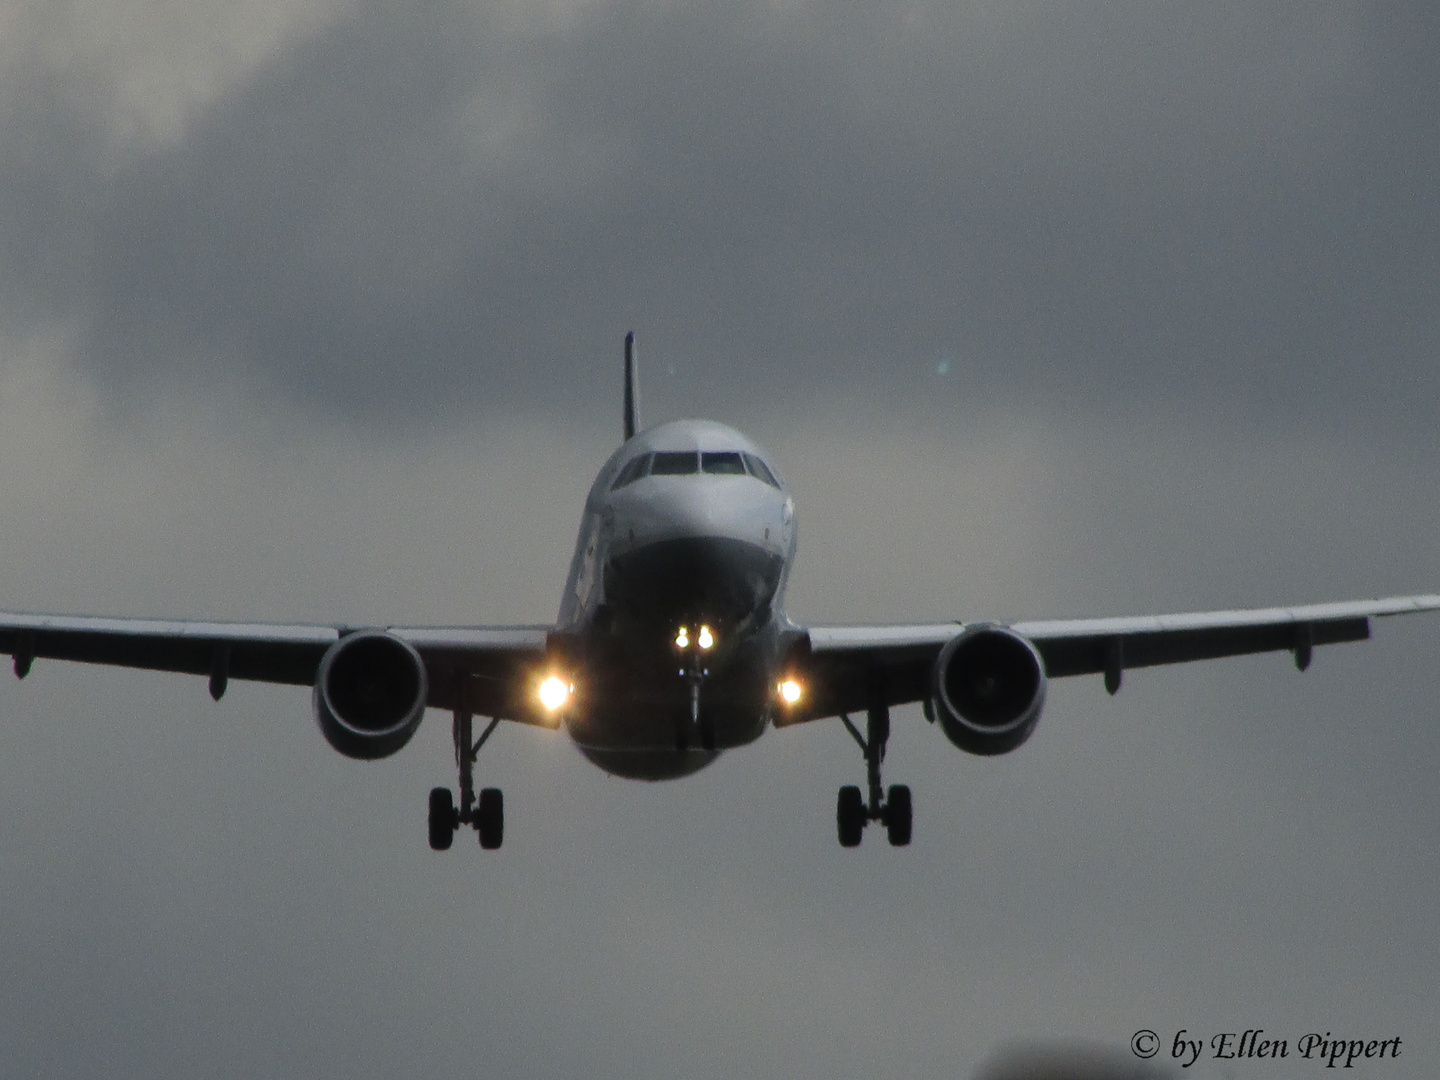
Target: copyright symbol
{"points": [[1145, 1043]]}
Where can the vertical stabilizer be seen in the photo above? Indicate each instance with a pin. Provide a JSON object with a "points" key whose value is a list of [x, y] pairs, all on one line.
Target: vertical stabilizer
{"points": [[632, 388]]}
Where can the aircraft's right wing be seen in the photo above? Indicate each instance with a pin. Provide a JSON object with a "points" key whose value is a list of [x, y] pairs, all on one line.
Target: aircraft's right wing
{"points": [[489, 662], [498, 668], [849, 668], [265, 652]]}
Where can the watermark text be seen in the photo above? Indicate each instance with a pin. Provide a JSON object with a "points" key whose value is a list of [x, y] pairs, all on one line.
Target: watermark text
{"points": [[1257, 1044]]}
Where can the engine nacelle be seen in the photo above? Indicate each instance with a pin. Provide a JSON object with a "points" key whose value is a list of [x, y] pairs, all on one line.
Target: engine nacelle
{"points": [[988, 687], [370, 694]]}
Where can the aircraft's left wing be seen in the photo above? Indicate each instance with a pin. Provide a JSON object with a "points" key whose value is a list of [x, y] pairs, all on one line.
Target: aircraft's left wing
{"points": [[849, 668], [482, 659]]}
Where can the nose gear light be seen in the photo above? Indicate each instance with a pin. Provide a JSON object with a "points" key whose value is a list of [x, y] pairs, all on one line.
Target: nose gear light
{"points": [[790, 691]]}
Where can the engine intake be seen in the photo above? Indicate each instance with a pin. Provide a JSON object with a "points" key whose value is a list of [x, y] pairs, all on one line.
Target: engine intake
{"points": [[370, 693], [988, 687]]}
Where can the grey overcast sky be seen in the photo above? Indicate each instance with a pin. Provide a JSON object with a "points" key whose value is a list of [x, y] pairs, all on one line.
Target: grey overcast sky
{"points": [[312, 310]]}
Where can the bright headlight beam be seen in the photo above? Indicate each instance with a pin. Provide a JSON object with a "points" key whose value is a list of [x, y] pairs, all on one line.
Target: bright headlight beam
{"points": [[705, 638], [554, 692], [682, 639]]}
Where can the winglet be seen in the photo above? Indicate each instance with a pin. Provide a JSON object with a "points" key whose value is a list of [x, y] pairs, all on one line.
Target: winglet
{"points": [[632, 388]]}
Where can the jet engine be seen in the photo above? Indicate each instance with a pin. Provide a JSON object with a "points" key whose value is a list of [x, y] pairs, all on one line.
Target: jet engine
{"points": [[988, 688], [370, 694]]}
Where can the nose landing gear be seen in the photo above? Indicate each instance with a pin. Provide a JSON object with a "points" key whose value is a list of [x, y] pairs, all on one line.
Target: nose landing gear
{"points": [[852, 811], [487, 816], [696, 723]]}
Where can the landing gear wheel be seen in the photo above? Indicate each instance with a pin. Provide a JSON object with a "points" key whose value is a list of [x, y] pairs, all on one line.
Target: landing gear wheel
{"points": [[850, 816], [898, 815], [490, 818], [853, 812], [443, 819]]}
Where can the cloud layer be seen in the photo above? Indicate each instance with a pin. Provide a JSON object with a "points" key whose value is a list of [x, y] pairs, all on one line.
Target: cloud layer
{"points": [[313, 311], [457, 207]]}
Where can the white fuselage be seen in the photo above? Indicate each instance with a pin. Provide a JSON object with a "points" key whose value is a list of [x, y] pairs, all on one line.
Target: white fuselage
{"points": [[687, 525]]}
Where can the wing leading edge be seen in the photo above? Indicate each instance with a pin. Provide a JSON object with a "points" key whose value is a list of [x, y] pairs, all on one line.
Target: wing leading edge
{"points": [[851, 668]]}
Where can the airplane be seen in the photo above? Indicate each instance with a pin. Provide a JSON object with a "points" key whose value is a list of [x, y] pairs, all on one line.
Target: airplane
{"points": [[672, 645]]}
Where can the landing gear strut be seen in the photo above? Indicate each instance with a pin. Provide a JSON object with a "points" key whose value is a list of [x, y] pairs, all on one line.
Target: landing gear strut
{"points": [[852, 811], [487, 816]]}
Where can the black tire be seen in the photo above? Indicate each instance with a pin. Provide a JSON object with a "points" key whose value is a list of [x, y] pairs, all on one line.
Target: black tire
{"points": [[442, 819], [898, 816], [850, 816], [490, 818]]}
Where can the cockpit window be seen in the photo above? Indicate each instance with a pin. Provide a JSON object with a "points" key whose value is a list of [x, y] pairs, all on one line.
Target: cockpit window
{"points": [[674, 463], [725, 462], [688, 462], [637, 468], [759, 470]]}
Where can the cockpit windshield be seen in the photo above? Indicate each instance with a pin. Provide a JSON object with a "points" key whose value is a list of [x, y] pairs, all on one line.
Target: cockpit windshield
{"points": [[674, 463], [690, 462], [760, 471], [724, 462], [637, 468]]}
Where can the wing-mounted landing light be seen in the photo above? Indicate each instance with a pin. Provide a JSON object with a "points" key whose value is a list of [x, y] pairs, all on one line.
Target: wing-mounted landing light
{"points": [[792, 700], [705, 638], [554, 692]]}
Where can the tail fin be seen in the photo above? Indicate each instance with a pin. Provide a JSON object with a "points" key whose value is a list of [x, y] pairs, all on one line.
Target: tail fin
{"points": [[632, 388]]}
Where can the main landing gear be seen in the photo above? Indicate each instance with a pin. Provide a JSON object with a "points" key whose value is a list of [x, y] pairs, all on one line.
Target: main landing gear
{"points": [[852, 811], [487, 815]]}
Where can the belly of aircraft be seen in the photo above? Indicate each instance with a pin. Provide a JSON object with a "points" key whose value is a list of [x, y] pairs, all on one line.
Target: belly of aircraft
{"points": [[650, 764], [636, 692], [640, 704]]}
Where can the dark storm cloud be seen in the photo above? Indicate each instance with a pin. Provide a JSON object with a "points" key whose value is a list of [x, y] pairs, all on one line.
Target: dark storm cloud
{"points": [[448, 207]]}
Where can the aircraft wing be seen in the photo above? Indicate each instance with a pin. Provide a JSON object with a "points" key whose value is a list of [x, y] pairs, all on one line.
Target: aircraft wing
{"points": [[280, 653], [490, 662], [851, 667]]}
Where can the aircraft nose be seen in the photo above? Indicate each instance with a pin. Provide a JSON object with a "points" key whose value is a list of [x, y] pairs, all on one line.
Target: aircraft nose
{"points": [[695, 507], [687, 547]]}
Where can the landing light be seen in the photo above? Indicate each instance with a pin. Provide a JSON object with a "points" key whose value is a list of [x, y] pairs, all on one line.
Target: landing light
{"points": [[554, 692], [705, 638], [790, 691], [682, 639]]}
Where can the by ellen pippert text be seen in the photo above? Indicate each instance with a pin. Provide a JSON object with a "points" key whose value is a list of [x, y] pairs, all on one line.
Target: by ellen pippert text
{"points": [[1256, 1044]]}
